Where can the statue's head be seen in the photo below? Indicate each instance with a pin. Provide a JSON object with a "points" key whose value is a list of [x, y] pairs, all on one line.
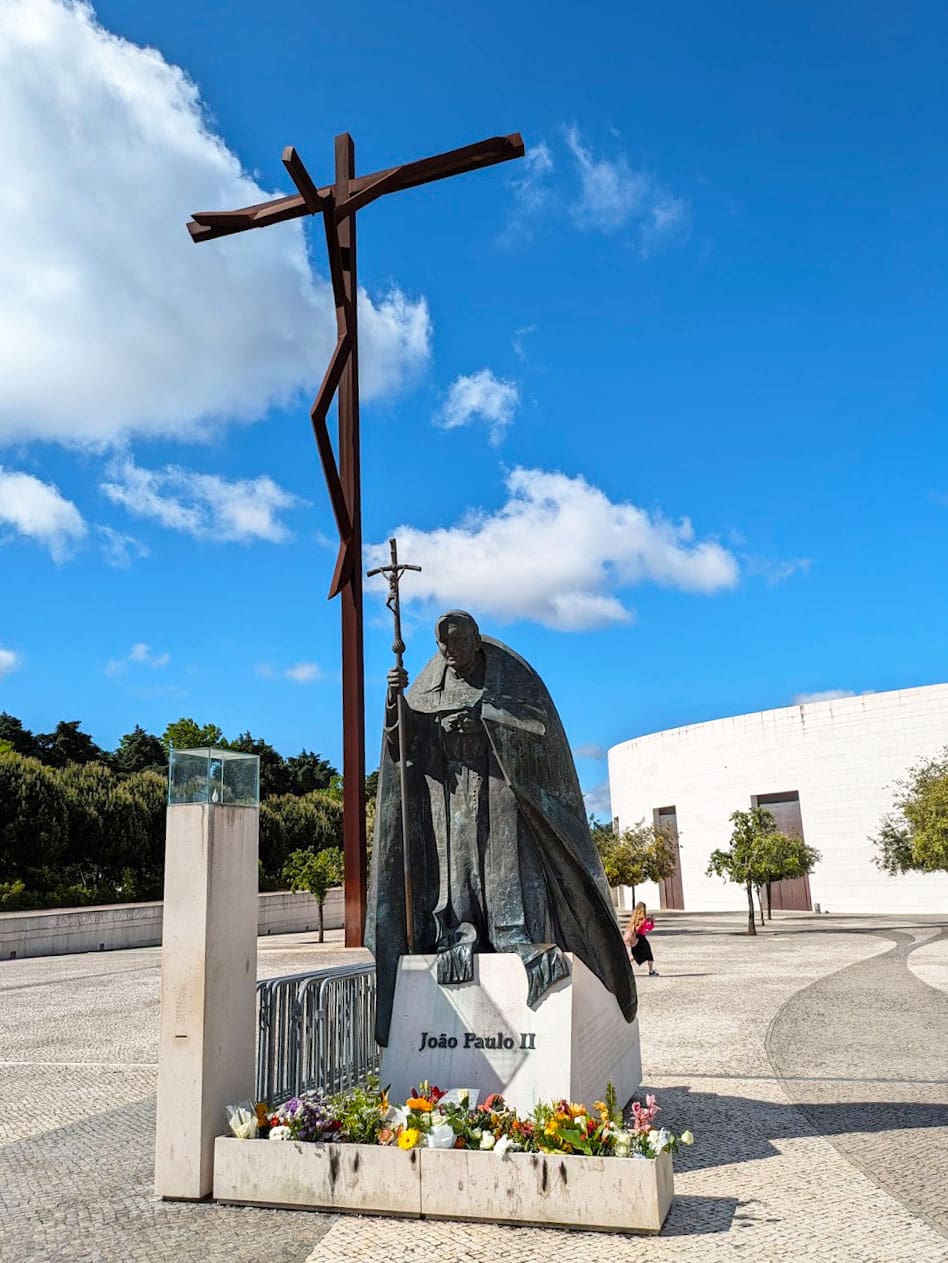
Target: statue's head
{"points": [[459, 639]]}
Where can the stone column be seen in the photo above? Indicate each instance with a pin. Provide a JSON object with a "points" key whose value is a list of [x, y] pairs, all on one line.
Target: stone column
{"points": [[206, 1056]]}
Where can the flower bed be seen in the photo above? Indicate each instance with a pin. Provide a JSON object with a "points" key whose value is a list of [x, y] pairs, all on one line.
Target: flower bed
{"points": [[441, 1156]]}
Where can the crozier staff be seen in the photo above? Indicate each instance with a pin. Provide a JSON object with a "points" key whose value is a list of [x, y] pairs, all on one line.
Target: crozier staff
{"points": [[501, 857]]}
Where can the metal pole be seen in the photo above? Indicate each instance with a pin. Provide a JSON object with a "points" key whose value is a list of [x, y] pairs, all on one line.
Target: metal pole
{"points": [[395, 572], [353, 680]]}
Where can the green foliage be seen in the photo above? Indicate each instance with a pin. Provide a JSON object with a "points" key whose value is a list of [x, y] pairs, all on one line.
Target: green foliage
{"points": [[139, 751], [185, 734], [21, 739], [914, 838], [68, 744], [637, 854], [759, 854], [34, 820], [79, 825], [358, 1110], [13, 896], [317, 872], [308, 771]]}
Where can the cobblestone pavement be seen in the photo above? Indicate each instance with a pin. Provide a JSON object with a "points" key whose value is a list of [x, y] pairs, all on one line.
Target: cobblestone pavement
{"points": [[810, 1063]]}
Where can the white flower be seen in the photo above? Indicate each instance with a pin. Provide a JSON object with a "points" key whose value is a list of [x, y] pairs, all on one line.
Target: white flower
{"points": [[501, 1147], [487, 1140], [623, 1144], [476, 1133], [686, 1138], [243, 1122], [395, 1116], [441, 1136], [659, 1140], [280, 1133]]}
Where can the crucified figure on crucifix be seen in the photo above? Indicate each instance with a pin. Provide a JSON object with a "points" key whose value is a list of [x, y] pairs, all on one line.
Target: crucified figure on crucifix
{"points": [[338, 204]]}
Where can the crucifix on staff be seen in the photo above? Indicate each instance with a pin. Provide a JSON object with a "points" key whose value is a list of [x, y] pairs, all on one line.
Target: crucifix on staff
{"points": [[338, 203]]}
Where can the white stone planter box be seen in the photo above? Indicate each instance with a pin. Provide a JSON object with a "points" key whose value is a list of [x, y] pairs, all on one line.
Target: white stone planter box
{"points": [[605, 1194]]}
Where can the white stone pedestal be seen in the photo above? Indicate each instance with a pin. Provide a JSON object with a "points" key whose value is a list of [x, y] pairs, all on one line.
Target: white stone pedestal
{"points": [[482, 1035], [208, 988]]}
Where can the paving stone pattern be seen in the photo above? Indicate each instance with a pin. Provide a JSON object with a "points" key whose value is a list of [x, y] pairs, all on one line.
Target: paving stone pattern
{"points": [[810, 1063]]}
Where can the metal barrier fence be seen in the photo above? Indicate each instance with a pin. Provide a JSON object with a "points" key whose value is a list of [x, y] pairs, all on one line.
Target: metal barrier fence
{"points": [[315, 1031]]}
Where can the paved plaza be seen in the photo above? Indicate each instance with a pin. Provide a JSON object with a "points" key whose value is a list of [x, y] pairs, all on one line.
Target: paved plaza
{"points": [[811, 1064]]}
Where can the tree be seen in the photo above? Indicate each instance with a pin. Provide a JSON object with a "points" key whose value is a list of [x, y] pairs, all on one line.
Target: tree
{"points": [[752, 856], [274, 775], [637, 854], [139, 751], [21, 739], [185, 734], [783, 856], [34, 821], [315, 871], [308, 771], [67, 744], [914, 837]]}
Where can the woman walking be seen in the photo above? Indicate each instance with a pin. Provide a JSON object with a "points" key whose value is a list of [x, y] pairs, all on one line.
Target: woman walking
{"points": [[640, 923]]}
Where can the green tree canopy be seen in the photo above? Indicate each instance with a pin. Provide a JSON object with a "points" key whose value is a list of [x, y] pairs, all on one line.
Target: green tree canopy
{"points": [[186, 734], [315, 871], [758, 854], [914, 837], [68, 744], [21, 739], [274, 776], [34, 820], [637, 854], [308, 771], [139, 751]]}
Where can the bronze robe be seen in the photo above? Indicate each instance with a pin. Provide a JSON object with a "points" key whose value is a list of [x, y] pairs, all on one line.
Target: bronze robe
{"points": [[498, 833]]}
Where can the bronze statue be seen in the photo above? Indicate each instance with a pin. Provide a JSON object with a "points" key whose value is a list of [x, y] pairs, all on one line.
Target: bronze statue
{"points": [[500, 856]]}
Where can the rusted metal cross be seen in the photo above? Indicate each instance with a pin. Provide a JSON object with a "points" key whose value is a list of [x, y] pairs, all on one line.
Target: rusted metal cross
{"points": [[338, 204]]}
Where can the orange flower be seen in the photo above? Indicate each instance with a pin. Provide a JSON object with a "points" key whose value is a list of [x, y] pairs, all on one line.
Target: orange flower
{"points": [[420, 1103]]}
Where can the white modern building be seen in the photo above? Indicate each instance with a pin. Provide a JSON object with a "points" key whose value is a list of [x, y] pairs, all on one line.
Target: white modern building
{"points": [[825, 770]]}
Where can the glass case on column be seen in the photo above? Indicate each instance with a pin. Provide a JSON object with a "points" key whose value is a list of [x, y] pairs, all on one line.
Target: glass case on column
{"points": [[225, 778]]}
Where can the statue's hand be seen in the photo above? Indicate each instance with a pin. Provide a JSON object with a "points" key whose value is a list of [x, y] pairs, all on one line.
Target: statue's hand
{"points": [[397, 679]]}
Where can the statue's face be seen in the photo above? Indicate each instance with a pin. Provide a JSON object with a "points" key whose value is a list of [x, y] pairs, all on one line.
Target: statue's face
{"points": [[459, 644]]}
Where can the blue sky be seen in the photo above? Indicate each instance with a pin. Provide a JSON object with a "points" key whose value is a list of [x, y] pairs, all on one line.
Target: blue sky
{"points": [[662, 404]]}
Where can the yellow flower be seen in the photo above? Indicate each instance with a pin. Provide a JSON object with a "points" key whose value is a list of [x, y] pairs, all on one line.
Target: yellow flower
{"points": [[550, 1128], [561, 1116], [603, 1110], [409, 1138]]}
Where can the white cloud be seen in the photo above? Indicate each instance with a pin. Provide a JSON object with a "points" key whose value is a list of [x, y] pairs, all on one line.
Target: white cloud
{"points": [[140, 654], [556, 552], [613, 196], [480, 397], [204, 505], [119, 549], [303, 672], [112, 322], [9, 661], [299, 673], [598, 801], [530, 182], [828, 695], [775, 571], [37, 510], [591, 751]]}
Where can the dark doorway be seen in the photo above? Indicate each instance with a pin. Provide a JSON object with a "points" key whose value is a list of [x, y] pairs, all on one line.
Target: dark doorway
{"points": [[792, 895], [671, 893]]}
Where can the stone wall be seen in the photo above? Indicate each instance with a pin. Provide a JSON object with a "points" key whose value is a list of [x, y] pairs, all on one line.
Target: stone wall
{"points": [[59, 931]]}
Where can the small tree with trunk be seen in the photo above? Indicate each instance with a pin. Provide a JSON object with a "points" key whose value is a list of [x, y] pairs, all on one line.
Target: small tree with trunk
{"points": [[634, 855], [750, 862], [317, 872], [783, 856]]}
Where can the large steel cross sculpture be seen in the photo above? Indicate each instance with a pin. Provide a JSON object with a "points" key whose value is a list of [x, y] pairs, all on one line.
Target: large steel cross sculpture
{"points": [[338, 204]]}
